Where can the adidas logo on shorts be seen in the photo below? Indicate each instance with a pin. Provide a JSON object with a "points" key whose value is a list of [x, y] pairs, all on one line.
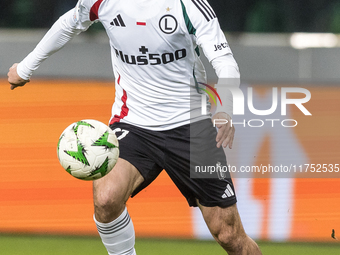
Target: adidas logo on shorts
{"points": [[228, 192]]}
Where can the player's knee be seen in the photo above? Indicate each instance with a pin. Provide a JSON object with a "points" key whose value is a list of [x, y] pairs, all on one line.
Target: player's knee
{"points": [[229, 236], [230, 239], [107, 205]]}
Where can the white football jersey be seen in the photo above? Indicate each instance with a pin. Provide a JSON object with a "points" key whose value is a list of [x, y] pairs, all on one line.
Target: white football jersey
{"points": [[155, 56]]}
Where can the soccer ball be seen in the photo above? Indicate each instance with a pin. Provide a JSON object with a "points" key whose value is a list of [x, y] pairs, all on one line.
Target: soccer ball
{"points": [[88, 149]]}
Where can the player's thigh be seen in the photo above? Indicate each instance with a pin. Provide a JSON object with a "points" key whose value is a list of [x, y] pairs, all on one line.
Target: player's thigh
{"points": [[114, 189], [224, 223]]}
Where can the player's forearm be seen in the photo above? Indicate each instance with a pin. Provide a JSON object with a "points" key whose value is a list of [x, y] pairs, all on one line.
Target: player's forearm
{"points": [[226, 67], [228, 73], [63, 30]]}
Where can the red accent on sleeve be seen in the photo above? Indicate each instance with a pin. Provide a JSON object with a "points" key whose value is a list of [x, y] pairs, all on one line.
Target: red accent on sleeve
{"points": [[94, 10]]}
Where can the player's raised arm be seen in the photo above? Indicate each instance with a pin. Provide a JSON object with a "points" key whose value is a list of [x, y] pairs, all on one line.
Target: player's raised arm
{"points": [[63, 30]]}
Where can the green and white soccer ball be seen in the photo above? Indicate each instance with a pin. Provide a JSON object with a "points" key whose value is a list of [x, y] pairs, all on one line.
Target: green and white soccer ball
{"points": [[88, 149]]}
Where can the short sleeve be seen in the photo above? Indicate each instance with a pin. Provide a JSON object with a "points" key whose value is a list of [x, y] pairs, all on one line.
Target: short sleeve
{"points": [[83, 13]]}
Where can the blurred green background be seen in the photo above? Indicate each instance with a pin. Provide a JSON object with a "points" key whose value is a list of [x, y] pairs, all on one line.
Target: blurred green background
{"points": [[235, 16]]}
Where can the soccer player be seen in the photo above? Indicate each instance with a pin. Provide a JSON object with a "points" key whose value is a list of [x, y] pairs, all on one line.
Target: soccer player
{"points": [[157, 110]]}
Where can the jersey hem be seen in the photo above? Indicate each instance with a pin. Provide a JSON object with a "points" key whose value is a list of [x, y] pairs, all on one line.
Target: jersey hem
{"points": [[162, 127]]}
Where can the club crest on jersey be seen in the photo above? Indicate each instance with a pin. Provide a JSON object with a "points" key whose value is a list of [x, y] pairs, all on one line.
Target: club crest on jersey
{"points": [[146, 58], [168, 24]]}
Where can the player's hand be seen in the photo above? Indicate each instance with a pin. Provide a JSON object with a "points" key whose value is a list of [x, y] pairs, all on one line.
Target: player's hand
{"points": [[225, 134], [14, 79]]}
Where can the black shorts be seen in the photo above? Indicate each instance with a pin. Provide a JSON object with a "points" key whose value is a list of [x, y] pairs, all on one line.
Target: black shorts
{"points": [[174, 151]]}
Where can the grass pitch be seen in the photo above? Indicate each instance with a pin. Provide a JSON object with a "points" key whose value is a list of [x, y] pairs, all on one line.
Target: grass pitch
{"points": [[60, 245]]}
